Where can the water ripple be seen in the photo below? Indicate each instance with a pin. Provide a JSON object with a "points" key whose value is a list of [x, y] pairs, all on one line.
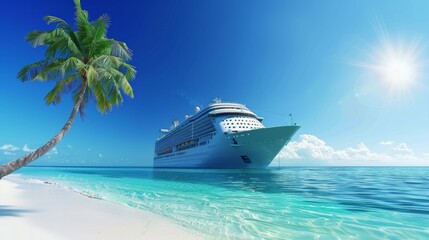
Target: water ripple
{"points": [[285, 203]]}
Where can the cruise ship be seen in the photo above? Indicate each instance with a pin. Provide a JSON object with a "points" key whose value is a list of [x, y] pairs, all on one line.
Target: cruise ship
{"points": [[223, 135]]}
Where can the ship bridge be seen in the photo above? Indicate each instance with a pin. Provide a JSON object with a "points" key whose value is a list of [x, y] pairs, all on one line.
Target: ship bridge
{"points": [[234, 117]]}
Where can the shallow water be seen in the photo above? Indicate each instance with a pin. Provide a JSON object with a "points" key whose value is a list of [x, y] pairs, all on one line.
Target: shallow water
{"points": [[276, 203]]}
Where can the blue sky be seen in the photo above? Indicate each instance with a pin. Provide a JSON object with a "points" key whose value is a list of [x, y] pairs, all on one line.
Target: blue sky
{"points": [[351, 72]]}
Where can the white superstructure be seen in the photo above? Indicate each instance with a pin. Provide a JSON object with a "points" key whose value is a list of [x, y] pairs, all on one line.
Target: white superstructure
{"points": [[224, 135]]}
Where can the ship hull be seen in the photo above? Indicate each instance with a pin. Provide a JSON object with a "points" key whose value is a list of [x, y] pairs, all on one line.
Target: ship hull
{"points": [[247, 149]]}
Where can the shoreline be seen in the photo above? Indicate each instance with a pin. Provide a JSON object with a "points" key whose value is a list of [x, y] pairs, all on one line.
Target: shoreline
{"points": [[32, 210]]}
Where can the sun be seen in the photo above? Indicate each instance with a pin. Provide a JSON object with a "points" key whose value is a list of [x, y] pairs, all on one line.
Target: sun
{"points": [[393, 63], [396, 68]]}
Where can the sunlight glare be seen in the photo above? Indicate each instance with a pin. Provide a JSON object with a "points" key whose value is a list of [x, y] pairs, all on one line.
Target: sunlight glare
{"points": [[397, 70], [393, 64]]}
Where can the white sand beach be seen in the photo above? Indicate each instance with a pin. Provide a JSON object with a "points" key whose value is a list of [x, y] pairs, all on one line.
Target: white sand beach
{"points": [[30, 210]]}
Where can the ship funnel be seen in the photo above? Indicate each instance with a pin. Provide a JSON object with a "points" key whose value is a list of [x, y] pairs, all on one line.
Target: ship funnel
{"points": [[175, 124]]}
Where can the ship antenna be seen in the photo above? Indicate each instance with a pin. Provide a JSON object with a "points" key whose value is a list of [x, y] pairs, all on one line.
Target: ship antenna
{"points": [[291, 118]]}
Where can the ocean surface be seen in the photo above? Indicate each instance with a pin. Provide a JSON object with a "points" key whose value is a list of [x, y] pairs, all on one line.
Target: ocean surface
{"points": [[277, 203]]}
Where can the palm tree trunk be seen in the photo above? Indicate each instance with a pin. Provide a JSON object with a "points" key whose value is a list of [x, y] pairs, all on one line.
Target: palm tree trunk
{"points": [[10, 167]]}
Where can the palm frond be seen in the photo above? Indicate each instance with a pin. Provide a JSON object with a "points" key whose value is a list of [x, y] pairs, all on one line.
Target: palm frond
{"points": [[126, 87], [100, 96], [57, 20], [91, 75], [107, 61], [58, 47], [114, 94], [51, 71], [100, 27], [83, 26], [37, 38], [82, 56], [98, 48], [29, 72], [72, 63], [55, 95], [63, 43], [61, 24], [120, 49], [130, 72]]}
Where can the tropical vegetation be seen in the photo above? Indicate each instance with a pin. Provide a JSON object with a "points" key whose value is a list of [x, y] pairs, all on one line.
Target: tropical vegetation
{"points": [[81, 61]]}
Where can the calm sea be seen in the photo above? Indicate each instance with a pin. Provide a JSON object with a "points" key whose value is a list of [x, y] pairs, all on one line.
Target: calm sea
{"points": [[277, 203]]}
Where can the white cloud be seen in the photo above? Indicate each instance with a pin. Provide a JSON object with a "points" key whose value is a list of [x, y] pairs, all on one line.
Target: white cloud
{"points": [[386, 142], [101, 156], [403, 149], [27, 149], [9, 147], [309, 149], [7, 153], [54, 151]]}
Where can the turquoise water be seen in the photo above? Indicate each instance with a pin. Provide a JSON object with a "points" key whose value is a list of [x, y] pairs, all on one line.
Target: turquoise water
{"points": [[278, 203]]}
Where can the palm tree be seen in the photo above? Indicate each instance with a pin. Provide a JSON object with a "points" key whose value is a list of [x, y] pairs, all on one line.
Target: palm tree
{"points": [[84, 62]]}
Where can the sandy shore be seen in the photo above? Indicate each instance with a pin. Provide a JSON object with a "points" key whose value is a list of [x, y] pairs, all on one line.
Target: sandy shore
{"points": [[36, 211]]}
